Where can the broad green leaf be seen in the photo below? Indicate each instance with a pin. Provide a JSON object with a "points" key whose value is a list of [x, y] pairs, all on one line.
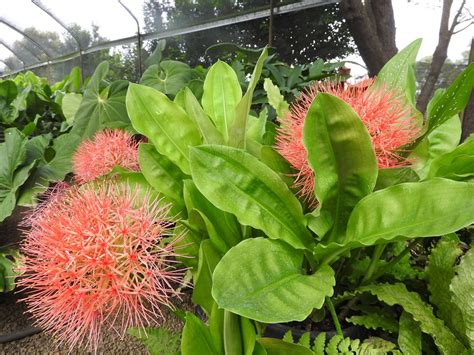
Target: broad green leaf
{"points": [[160, 172], [209, 132], [10, 261], [441, 140], [222, 227], [196, 338], [207, 261], [222, 93], [12, 175], [216, 327], [439, 272], [100, 106], [280, 347], [275, 99], [249, 336], [236, 182], [259, 279], [409, 210], [409, 335], [462, 288], [396, 73], [454, 99], [239, 126], [422, 313], [394, 176], [341, 155], [457, 164], [159, 341], [232, 334], [375, 321], [168, 77], [70, 105], [164, 123]]}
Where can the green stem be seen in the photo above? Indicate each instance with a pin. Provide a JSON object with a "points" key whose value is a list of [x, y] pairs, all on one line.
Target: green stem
{"points": [[394, 261], [373, 263], [331, 309]]}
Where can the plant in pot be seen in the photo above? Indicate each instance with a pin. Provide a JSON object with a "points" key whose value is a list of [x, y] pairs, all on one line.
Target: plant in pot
{"points": [[258, 258]]}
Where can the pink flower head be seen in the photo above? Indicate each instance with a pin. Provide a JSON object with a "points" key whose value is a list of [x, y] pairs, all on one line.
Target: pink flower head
{"points": [[95, 258], [384, 113], [109, 148]]}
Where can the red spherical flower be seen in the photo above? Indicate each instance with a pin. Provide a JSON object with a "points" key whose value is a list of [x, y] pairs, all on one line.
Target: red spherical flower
{"points": [[95, 258], [109, 148], [384, 112]]}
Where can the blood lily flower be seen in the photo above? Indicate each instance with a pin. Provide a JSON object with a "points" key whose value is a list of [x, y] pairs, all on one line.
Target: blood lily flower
{"points": [[96, 258], [384, 112], [98, 156]]}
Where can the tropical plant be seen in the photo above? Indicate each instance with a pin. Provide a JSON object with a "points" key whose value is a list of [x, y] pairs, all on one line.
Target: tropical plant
{"points": [[257, 258]]}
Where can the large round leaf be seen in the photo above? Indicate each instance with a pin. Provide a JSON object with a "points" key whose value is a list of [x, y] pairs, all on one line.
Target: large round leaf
{"points": [[261, 279], [168, 77]]}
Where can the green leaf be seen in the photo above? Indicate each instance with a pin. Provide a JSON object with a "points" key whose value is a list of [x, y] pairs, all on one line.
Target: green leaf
{"points": [[207, 261], [462, 288], [441, 140], [196, 337], [236, 182], [222, 93], [9, 262], [319, 344], [453, 101], [12, 175], [232, 335], [164, 123], [259, 277], [421, 313], [458, 164], [100, 106], [70, 106], [249, 337], [439, 272], [375, 321], [394, 176], [222, 227], [342, 158], [239, 126], [209, 132], [160, 172], [280, 347], [275, 99], [409, 335], [159, 341], [169, 76], [419, 209], [396, 73]]}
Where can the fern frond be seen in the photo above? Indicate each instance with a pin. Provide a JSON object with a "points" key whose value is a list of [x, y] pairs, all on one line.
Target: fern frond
{"points": [[375, 321], [409, 335], [412, 303], [462, 288], [439, 272]]}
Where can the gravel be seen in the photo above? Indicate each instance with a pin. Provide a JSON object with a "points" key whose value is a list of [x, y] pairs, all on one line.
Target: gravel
{"points": [[12, 318]]}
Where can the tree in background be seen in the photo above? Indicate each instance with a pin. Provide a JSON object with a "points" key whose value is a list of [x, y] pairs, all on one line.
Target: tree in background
{"points": [[301, 37]]}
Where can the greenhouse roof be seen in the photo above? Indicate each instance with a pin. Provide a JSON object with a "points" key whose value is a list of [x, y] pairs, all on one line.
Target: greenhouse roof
{"points": [[110, 23]]}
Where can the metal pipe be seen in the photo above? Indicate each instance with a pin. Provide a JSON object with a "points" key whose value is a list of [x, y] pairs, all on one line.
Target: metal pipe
{"points": [[270, 23], [63, 25], [13, 52], [14, 28], [139, 38]]}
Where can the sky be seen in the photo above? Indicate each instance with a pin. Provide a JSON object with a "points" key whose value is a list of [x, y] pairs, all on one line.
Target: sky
{"points": [[413, 19]]}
